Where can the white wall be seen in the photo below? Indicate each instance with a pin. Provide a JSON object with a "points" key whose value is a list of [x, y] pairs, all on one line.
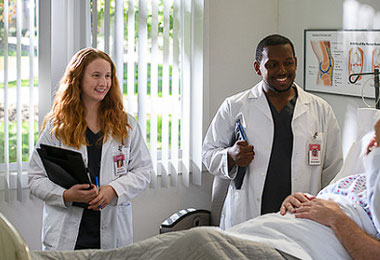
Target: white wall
{"points": [[234, 29], [153, 206], [329, 14], [26, 216]]}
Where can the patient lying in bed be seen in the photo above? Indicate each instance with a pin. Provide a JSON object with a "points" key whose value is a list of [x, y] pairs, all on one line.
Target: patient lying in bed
{"points": [[341, 222], [331, 224]]}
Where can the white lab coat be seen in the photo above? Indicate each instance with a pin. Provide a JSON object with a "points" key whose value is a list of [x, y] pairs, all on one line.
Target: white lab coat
{"points": [[61, 221], [311, 115]]}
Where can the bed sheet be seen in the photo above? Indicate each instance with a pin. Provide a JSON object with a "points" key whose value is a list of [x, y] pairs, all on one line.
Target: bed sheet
{"points": [[196, 244]]}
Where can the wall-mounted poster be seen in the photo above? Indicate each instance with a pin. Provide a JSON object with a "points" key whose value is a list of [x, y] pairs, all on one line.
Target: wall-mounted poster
{"points": [[332, 55]]}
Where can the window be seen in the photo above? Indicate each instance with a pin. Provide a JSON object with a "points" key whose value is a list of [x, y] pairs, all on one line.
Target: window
{"points": [[18, 88], [157, 48]]}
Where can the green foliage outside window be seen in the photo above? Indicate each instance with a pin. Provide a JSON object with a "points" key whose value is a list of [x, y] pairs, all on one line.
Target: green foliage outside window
{"points": [[25, 82], [13, 140]]}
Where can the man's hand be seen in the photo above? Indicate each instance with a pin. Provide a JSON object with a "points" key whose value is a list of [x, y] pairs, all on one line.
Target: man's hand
{"points": [[105, 196], [80, 193], [294, 201], [325, 212], [240, 154]]}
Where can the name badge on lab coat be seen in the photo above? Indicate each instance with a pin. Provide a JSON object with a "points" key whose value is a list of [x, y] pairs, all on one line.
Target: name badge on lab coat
{"points": [[315, 151], [119, 163]]}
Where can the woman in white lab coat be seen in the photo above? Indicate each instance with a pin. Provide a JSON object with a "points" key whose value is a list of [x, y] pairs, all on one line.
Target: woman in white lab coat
{"points": [[88, 116]]}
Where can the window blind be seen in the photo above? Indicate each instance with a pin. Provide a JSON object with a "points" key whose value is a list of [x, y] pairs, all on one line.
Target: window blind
{"points": [[19, 97], [152, 43], [6, 102], [154, 64]]}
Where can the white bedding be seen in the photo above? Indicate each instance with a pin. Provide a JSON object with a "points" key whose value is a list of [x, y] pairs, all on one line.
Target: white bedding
{"points": [[204, 243], [303, 238], [254, 239]]}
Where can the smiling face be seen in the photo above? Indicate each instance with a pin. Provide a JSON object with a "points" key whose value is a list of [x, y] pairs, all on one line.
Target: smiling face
{"points": [[96, 81], [277, 67]]}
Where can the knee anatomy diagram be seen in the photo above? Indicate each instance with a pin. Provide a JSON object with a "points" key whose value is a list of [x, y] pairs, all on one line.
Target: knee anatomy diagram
{"points": [[355, 61], [322, 50], [334, 57], [375, 59]]}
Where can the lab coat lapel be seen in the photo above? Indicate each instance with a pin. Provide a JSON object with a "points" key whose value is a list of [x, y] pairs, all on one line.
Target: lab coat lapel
{"points": [[302, 105], [260, 102], [105, 150]]}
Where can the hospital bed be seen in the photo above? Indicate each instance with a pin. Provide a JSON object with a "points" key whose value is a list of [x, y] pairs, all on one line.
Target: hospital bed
{"points": [[199, 243], [12, 245], [205, 243]]}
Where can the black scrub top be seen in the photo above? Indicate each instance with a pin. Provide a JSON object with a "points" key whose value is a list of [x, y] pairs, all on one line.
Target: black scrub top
{"points": [[89, 229], [278, 183]]}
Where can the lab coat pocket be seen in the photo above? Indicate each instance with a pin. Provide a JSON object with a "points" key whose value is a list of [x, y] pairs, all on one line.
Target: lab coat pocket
{"points": [[124, 227], [49, 241], [236, 206], [50, 232]]}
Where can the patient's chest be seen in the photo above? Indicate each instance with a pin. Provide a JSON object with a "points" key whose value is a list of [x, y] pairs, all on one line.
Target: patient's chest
{"points": [[352, 187]]}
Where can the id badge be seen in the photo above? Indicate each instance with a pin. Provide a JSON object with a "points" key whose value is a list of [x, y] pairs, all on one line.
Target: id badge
{"points": [[119, 162], [315, 148]]}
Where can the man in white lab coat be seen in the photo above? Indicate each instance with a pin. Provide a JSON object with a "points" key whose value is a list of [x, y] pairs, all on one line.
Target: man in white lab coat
{"points": [[293, 141]]}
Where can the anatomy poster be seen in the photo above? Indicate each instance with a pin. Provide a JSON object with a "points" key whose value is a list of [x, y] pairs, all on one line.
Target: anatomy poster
{"points": [[331, 56]]}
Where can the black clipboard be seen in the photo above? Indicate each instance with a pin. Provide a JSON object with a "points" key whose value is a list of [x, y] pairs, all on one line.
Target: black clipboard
{"points": [[63, 167]]}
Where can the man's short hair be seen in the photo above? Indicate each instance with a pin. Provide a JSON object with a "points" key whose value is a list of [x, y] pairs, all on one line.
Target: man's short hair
{"points": [[274, 39]]}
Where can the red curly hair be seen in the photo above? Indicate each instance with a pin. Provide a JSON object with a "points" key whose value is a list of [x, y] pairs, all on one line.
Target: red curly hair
{"points": [[68, 113]]}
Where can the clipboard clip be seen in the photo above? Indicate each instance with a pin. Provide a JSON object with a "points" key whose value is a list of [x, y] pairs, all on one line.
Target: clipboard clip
{"points": [[241, 131]]}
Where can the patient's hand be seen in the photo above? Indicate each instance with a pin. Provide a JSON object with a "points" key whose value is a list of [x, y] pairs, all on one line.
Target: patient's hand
{"points": [[325, 212], [372, 144], [377, 133], [358, 244], [375, 141], [294, 201]]}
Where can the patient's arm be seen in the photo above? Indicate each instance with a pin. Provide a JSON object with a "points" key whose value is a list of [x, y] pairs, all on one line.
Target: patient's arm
{"points": [[357, 243], [294, 201]]}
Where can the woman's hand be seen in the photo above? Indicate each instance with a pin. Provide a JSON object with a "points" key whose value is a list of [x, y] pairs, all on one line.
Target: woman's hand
{"points": [[294, 201], [80, 193], [105, 196]]}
